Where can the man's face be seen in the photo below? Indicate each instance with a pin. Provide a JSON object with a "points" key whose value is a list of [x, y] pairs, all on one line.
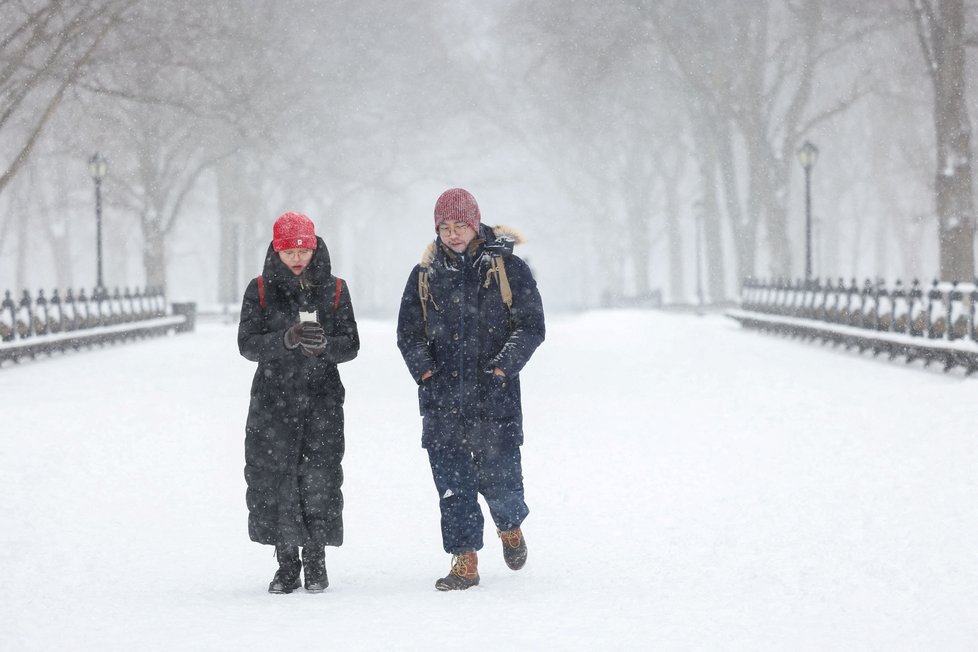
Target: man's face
{"points": [[456, 235]]}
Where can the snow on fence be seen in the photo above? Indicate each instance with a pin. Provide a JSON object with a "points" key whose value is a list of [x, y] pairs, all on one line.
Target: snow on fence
{"points": [[934, 325], [32, 326]]}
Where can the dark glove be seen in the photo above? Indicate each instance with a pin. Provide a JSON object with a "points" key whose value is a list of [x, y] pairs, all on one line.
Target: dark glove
{"points": [[313, 340], [308, 335]]}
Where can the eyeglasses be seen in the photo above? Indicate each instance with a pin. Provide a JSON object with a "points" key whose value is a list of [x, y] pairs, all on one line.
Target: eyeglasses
{"points": [[296, 253], [458, 228]]}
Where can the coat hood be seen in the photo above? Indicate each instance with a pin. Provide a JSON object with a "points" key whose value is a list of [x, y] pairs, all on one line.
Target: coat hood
{"points": [[318, 273]]}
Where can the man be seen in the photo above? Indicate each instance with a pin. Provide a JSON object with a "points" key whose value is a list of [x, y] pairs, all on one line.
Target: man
{"points": [[470, 319]]}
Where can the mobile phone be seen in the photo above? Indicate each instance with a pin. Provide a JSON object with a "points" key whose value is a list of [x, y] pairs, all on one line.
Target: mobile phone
{"points": [[307, 316]]}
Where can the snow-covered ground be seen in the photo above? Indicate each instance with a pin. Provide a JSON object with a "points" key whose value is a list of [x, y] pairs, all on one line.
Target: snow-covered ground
{"points": [[691, 486]]}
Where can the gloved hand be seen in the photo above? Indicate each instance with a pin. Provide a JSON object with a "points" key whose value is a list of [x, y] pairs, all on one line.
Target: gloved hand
{"points": [[309, 335], [313, 340]]}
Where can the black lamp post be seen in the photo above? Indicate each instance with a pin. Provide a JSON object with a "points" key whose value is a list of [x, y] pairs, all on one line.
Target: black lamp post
{"points": [[97, 167], [807, 155]]}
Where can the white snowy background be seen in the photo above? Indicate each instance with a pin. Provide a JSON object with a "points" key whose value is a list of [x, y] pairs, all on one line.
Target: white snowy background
{"points": [[692, 486]]}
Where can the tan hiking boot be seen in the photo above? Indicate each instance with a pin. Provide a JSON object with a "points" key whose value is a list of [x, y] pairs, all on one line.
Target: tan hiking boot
{"points": [[464, 573], [514, 548]]}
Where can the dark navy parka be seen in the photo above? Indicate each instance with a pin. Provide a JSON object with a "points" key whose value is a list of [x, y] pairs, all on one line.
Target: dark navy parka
{"points": [[469, 332]]}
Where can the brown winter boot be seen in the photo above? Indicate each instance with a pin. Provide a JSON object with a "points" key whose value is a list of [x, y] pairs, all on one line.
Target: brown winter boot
{"points": [[514, 548], [464, 573]]}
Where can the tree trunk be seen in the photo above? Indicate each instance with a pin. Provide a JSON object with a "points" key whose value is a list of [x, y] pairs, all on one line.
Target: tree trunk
{"points": [[955, 202], [677, 283], [716, 276], [710, 211], [637, 199], [744, 230], [760, 205], [941, 35], [776, 212], [639, 247], [229, 175], [154, 255], [640, 258], [23, 246]]}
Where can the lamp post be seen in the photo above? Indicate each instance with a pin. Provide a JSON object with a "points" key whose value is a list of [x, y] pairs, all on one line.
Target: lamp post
{"points": [[97, 167], [807, 155]]}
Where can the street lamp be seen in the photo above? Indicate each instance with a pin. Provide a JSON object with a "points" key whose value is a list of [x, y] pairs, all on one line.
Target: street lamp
{"points": [[807, 155], [97, 167]]}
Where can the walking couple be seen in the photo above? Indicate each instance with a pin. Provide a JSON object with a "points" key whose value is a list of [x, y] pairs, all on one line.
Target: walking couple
{"points": [[470, 318]]}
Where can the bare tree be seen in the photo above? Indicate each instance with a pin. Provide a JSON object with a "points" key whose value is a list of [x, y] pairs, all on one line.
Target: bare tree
{"points": [[755, 65], [45, 50], [601, 121], [176, 104]]}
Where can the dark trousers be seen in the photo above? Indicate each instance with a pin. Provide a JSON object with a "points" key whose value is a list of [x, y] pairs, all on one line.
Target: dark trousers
{"points": [[461, 474]]}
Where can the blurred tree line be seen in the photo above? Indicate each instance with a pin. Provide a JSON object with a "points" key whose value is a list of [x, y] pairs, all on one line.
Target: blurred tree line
{"points": [[611, 129]]}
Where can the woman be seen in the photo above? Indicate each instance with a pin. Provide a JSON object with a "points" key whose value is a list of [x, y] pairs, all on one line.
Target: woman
{"points": [[297, 323]]}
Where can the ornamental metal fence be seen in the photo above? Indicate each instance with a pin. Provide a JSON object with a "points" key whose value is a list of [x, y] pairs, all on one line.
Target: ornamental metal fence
{"points": [[41, 324], [933, 324]]}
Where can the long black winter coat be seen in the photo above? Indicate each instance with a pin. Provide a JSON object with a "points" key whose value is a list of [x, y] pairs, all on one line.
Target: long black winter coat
{"points": [[469, 332], [294, 439]]}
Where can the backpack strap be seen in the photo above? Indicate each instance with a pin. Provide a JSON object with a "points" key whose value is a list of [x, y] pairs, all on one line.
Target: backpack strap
{"points": [[336, 297], [498, 268], [504, 290], [424, 294]]}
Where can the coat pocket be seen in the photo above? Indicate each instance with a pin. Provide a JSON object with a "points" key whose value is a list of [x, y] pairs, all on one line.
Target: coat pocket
{"points": [[429, 394], [502, 397]]}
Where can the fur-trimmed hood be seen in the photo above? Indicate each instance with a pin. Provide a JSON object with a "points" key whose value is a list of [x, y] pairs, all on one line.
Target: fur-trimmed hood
{"points": [[498, 240]]}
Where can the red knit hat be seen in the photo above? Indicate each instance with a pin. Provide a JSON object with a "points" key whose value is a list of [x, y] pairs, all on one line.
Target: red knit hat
{"points": [[457, 205], [293, 231]]}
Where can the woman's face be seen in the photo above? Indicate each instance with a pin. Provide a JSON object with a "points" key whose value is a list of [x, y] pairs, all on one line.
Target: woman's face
{"points": [[296, 259]]}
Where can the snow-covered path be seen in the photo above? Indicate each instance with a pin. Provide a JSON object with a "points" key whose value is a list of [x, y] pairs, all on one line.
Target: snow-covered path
{"points": [[691, 486]]}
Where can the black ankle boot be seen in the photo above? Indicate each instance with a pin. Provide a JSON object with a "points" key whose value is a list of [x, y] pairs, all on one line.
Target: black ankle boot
{"points": [[314, 560], [286, 578]]}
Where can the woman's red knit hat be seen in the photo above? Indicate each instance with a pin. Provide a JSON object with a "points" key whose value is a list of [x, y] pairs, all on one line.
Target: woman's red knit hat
{"points": [[293, 231]]}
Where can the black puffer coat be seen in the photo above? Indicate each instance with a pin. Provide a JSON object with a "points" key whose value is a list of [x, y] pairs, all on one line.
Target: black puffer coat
{"points": [[469, 332], [294, 439]]}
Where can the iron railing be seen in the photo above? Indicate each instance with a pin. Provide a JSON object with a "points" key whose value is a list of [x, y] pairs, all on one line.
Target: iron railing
{"points": [[936, 323], [40, 324]]}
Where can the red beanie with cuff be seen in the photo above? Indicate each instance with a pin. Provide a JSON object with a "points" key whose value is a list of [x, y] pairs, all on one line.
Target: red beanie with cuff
{"points": [[293, 231]]}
